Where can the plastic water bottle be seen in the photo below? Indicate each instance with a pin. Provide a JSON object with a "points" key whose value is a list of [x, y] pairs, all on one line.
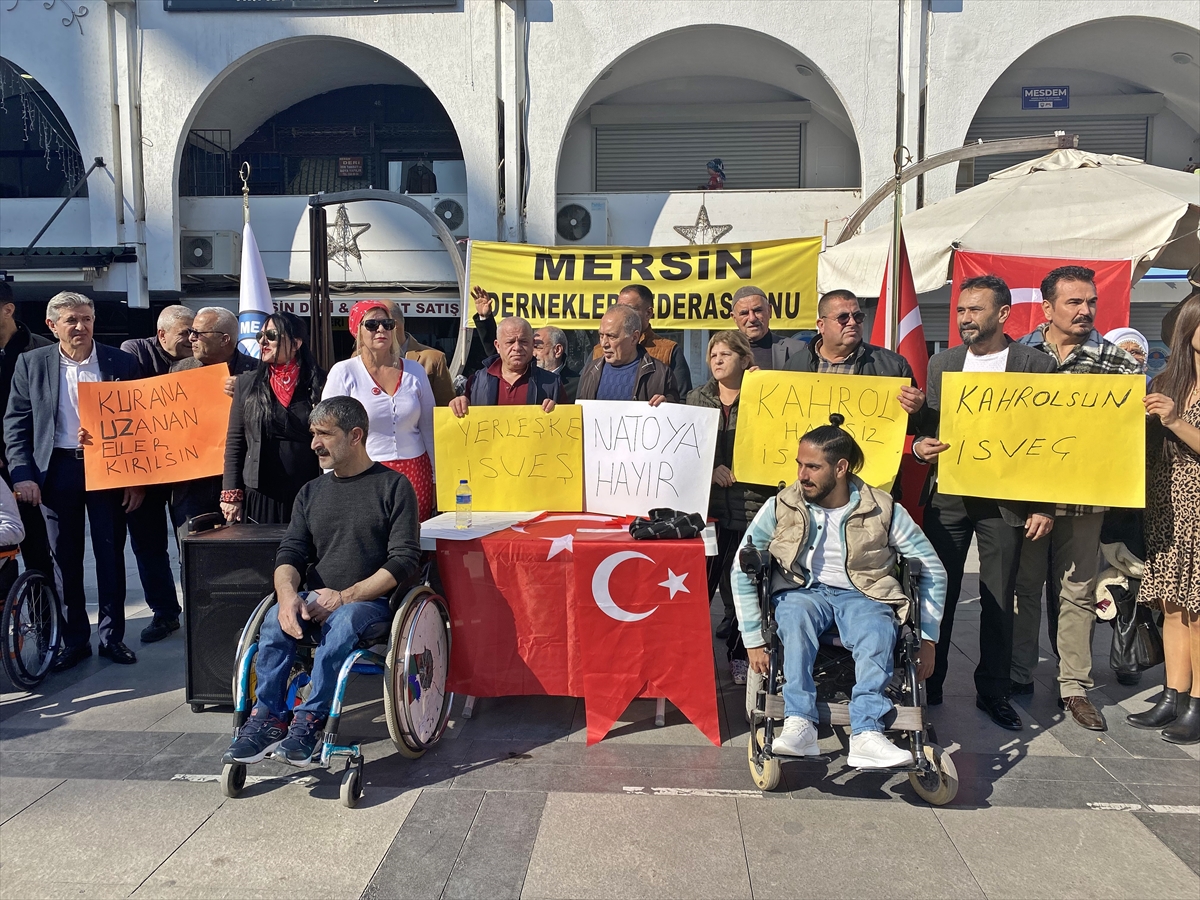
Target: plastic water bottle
{"points": [[462, 505]]}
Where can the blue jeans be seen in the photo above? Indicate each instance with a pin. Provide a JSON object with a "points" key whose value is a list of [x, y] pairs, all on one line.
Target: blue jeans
{"points": [[337, 636], [867, 628]]}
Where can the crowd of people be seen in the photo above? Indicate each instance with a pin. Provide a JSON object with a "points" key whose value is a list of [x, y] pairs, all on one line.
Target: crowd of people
{"points": [[833, 537]]}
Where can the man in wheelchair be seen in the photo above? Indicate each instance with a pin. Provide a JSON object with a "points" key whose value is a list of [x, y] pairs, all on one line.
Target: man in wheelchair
{"points": [[356, 534], [834, 542]]}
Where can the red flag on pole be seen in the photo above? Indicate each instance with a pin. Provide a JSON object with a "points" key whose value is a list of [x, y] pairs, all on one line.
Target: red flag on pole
{"points": [[910, 341], [1024, 274], [910, 344], [638, 635]]}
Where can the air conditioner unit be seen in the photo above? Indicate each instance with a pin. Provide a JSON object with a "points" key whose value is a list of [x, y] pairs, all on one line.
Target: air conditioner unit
{"points": [[451, 210], [210, 252], [582, 220]]}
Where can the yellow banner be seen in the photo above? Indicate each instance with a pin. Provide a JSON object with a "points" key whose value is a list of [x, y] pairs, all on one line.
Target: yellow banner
{"points": [[1054, 438], [513, 457], [776, 409], [693, 286]]}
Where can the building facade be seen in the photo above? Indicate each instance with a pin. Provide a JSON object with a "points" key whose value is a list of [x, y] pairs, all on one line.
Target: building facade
{"points": [[548, 121]]}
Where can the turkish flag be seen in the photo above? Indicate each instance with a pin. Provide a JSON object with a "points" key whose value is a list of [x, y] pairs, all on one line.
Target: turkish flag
{"points": [[1024, 274], [639, 634], [911, 340], [911, 346]]}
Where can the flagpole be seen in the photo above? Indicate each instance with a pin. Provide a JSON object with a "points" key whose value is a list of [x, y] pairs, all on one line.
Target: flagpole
{"points": [[891, 336]]}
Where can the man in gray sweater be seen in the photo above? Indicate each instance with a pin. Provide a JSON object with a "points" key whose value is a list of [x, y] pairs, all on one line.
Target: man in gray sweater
{"points": [[356, 535]]}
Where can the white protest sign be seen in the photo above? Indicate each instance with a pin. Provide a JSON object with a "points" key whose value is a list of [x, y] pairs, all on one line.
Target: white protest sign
{"points": [[638, 458]]}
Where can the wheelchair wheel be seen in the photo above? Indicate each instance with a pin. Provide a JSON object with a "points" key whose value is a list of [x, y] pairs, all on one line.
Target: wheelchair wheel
{"points": [[940, 785], [351, 789], [415, 701], [765, 772], [233, 779], [29, 624], [249, 635]]}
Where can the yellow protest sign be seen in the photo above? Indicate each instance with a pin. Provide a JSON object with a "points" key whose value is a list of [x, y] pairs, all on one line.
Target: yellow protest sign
{"points": [[513, 457], [572, 287], [776, 409], [154, 430], [1056, 438]]}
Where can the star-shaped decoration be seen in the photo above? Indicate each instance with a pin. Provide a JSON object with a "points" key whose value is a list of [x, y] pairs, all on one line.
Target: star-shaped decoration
{"points": [[703, 232], [342, 241], [674, 583], [559, 544]]}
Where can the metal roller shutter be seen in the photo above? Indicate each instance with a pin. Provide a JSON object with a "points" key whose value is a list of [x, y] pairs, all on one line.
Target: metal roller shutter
{"points": [[1124, 135], [757, 155]]}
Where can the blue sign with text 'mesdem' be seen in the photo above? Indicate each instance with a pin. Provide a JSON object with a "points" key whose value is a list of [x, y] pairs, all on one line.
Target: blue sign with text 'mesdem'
{"points": [[1046, 97]]}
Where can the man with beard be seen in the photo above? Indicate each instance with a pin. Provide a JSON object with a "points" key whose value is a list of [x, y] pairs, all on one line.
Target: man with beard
{"points": [[834, 541], [984, 303], [1070, 340]]}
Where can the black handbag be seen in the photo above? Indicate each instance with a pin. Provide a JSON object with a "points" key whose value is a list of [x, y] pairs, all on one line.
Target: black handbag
{"points": [[1137, 643], [667, 524]]}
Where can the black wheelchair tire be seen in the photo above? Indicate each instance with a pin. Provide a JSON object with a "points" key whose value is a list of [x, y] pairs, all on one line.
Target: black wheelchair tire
{"points": [[407, 744], [31, 583]]}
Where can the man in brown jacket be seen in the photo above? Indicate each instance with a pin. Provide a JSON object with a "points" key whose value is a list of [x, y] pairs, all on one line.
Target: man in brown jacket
{"points": [[626, 371], [432, 361], [640, 298]]}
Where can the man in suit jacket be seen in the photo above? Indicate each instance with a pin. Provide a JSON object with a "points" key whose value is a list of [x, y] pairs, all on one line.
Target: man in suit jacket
{"points": [[1000, 526], [752, 316], [42, 434], [550, 352]]}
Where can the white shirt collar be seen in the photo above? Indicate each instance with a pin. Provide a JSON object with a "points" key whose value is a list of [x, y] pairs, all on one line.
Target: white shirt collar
{"points": [[87, 362]]}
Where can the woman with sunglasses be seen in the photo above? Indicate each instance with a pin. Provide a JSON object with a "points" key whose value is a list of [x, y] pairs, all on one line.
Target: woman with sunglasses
{"points": [[268, 453], [396, 394]]}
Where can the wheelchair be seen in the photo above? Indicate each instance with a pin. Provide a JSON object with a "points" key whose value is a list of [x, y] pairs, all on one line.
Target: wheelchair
{"points": [[932, 773], [29, 623], [412, 653]]}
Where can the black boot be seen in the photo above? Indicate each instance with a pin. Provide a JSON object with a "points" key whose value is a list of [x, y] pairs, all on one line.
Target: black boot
{"points": [[1170, 705], [1186, 728]]}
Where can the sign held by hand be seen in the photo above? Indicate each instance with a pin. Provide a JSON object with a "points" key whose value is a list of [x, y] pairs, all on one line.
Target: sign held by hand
{"points": [[513, 457], [1054, 438], [154, 430], [641, 457], [776, 409]]}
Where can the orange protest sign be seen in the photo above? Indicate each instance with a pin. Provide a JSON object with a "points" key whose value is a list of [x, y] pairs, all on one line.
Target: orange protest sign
{"points": [[154, 430]]}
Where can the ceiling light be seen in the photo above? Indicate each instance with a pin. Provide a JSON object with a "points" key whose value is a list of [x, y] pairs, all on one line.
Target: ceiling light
{"points": [[804, 70], [606, 74], [1182, 58], [27, 75]]}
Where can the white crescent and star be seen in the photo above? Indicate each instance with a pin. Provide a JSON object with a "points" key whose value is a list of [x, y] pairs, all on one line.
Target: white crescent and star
{"points": [[602, 593]]}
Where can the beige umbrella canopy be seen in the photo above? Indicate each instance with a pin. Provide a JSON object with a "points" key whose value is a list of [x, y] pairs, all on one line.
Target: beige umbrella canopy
{"points": [[1069, 204]]}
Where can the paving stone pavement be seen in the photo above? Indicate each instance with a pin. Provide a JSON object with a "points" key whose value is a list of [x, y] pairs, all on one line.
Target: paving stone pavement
{"points": [[108, 789]]}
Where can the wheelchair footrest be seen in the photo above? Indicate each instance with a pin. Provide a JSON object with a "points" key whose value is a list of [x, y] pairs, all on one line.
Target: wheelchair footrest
{"points": [[901, 718]]}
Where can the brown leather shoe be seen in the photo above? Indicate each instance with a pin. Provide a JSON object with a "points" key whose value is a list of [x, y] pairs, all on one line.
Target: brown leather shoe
{"points": [[1086, 715]]}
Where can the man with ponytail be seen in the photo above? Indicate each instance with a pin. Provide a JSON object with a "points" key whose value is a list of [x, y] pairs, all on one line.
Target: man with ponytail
{"points": [[835, 541]]}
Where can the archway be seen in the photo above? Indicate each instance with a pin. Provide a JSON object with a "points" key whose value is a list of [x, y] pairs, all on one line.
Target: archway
{"points": [[39, 156], [1126, 85]]}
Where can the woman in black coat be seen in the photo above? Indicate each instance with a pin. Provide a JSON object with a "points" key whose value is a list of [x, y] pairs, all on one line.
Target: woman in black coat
{"points": [[731, 502], [268, 456]]}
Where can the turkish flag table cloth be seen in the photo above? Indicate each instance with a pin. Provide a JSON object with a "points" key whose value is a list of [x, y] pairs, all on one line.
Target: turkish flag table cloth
{"points": [[561, 607]]}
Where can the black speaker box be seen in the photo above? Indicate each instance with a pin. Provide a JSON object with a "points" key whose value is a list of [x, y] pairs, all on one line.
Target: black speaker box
{"points": [[226, 572]]}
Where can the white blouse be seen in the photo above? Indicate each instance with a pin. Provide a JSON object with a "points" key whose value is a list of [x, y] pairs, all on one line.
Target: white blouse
{"points": [[401, 426]]}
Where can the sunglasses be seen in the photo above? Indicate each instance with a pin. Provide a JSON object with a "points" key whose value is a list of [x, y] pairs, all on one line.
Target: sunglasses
{"points": [[844, 318], [373, 325], [270, 335], [192, 332]]}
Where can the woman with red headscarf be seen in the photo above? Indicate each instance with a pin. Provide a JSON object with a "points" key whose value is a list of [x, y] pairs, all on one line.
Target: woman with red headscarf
{"points": [[396, 394]]}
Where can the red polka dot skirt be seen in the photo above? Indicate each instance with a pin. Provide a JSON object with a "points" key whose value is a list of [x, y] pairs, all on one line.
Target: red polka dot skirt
{"points": [[420, 474]]}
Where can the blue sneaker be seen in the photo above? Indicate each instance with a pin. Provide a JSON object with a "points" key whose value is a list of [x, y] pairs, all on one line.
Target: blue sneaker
{"points": [[261, 734], [302, 739]]}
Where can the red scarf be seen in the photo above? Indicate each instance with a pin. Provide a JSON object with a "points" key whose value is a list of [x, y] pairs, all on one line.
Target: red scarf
{"points": [[283, 381]]}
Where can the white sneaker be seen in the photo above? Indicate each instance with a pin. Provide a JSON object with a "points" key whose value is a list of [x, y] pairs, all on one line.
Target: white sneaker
{"points": [[798, 738], [871, 750]]}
